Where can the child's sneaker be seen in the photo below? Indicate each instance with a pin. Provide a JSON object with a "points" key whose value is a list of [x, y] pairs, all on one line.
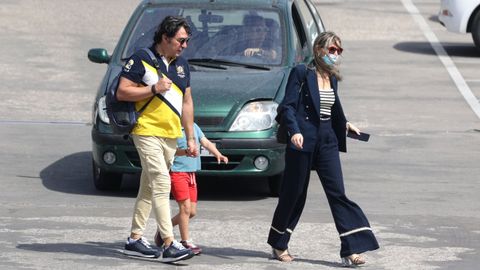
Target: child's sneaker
{"points": [[140, 248], [176, 252], [190, 245]]}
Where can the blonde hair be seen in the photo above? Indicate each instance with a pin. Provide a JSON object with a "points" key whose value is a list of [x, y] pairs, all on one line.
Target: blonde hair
{"points": [[322, 42]]}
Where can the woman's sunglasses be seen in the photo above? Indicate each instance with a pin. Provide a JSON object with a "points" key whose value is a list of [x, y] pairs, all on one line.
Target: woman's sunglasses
{"points": [[333, 49]]}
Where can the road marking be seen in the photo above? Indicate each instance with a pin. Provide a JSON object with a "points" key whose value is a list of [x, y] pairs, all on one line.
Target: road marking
{"points": [[34, 122], [457, 78]]}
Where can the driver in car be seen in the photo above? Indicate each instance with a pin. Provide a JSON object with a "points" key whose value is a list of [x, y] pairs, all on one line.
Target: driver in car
{"points": [[255, 40]]}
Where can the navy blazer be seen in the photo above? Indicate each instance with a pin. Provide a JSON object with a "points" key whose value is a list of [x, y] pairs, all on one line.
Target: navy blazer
{"points": [[306, 118]]}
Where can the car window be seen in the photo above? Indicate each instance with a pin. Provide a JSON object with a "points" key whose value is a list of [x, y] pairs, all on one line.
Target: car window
{"points": [[316, 15], [302, 48], [308, 21], [249, 36]]}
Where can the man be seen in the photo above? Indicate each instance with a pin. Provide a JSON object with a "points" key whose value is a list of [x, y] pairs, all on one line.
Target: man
{"points": [[254, 42], [155, 135]]}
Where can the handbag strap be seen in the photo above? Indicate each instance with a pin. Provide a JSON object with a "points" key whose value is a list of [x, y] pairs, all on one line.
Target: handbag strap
{"points": [[304, 78], [279, 116]]}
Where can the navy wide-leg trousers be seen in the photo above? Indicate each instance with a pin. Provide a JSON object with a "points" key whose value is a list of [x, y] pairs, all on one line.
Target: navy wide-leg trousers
{"points": [[352, 225]]}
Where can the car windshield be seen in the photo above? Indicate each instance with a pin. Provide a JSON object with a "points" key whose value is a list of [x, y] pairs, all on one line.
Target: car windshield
{"points": [[249, 36]]}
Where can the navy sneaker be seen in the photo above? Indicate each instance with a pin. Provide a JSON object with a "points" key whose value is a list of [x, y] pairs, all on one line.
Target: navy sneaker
{"points": [[176, 252], [140, 248]]}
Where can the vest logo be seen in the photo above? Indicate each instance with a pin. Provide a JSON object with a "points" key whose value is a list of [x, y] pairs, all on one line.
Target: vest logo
{"points": [[128, 65], [180, 72]]}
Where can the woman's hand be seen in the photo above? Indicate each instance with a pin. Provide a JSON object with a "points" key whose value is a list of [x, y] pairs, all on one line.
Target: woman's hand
{"points": [[297, 140], [351, 127]]}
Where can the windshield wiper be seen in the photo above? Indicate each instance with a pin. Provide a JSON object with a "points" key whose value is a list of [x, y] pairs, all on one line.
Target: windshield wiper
{"points": [[206, 64], [226, 63]]}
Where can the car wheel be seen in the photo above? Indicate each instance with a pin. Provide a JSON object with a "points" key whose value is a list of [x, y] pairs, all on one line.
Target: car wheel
{"points": [[105, 181], [476, 30], [275, 183]]}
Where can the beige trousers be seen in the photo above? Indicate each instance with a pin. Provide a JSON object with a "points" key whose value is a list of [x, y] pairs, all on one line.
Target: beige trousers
{"points": [[156, 156]]}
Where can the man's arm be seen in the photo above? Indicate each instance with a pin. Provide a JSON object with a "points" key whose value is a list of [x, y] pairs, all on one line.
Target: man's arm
{"points": [[187, 122], [131, 91]]}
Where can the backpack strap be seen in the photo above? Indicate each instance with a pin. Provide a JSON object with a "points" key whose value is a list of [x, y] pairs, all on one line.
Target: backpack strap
{"points": [[157, 66], [154, 60]]}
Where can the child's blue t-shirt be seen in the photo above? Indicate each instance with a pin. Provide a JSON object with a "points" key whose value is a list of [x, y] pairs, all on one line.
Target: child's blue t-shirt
{"points": [[184, 163]]}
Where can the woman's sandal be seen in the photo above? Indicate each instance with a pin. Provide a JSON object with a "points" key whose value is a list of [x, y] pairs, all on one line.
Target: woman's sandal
{"points": [[284, 255], [353, 260]]}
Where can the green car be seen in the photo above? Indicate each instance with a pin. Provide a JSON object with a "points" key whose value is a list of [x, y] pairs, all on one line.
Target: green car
{"points": [[240, 55]]}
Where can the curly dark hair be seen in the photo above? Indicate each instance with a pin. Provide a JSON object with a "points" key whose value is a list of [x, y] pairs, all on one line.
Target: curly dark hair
{"points": [[170, 26]]}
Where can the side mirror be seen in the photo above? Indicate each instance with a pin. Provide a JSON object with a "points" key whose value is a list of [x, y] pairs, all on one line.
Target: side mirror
{"points": [[98, 55]]}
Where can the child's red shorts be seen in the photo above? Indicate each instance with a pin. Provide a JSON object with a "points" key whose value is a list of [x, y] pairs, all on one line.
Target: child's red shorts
{"points": [[184, 186]]}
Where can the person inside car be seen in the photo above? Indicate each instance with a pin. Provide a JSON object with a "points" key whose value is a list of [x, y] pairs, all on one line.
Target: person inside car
{"points": [[254, 40]]}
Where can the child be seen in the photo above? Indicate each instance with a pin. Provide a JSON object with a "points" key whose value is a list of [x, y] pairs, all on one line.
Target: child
{"points": [[184, 186]]}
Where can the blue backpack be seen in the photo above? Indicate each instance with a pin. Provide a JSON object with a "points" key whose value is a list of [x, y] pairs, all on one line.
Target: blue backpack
{"points": [[122, 114]]}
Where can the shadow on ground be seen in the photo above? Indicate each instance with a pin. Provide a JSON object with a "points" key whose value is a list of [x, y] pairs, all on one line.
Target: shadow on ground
{"points": [[101, 249], [114, 251], [453, 49], [73, 174]]}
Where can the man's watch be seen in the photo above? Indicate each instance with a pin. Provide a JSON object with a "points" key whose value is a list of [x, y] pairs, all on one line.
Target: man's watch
{"points": [[153, 89]]}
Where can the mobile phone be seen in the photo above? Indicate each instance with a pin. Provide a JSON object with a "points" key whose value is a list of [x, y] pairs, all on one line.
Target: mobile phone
{"points": [[362, 137]]}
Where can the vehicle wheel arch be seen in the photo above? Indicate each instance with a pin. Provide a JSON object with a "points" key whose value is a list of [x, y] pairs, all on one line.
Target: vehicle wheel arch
{"points": [[105, 181], [475, 28], [472, 18]]}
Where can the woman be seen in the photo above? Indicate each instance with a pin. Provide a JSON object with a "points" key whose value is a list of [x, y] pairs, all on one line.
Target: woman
{"points": [[317, 127]]}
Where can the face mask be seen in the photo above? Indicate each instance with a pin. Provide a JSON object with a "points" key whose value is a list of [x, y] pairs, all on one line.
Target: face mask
{"points": [[330, 59]]}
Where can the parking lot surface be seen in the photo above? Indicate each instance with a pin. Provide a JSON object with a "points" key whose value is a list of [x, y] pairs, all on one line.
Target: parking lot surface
{"points": [[417, 178]]}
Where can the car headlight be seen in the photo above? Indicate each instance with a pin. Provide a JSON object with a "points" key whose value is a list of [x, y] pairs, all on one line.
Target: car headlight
{"points": [[257, 115], [102, 110]]}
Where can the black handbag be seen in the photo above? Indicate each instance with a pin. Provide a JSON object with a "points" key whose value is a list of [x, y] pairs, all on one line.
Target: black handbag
{"points": [[282, 133]]}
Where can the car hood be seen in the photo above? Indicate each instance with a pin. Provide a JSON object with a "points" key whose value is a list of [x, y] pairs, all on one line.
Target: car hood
{"points": [[218, 96]]}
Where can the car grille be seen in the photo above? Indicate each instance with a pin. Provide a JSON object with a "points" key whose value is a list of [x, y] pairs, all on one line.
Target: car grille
{"points": [[211, 164], [208, 163], [134, 158], [209, 121]]}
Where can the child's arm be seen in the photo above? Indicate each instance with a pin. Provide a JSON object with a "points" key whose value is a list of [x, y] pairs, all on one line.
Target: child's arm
{"points": [[213, 149]]}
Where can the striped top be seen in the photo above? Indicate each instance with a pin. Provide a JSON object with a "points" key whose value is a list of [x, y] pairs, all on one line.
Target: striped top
{"points": [[327, 98]]}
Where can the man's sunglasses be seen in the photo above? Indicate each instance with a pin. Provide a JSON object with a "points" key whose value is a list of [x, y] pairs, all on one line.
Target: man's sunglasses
{"points": [[183, 40], [333, 49], [259, 29]]}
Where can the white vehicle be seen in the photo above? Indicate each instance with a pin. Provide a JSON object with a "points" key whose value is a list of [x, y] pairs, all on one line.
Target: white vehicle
{"points": [[461, 16]]}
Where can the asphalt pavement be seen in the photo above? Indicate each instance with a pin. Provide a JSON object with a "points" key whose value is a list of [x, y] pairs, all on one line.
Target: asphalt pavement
{"points": [[417, 179]]}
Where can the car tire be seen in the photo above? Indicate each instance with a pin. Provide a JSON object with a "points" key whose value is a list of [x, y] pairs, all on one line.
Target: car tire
{"points": [[105, 181], [275, 184], [476, 30]]}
